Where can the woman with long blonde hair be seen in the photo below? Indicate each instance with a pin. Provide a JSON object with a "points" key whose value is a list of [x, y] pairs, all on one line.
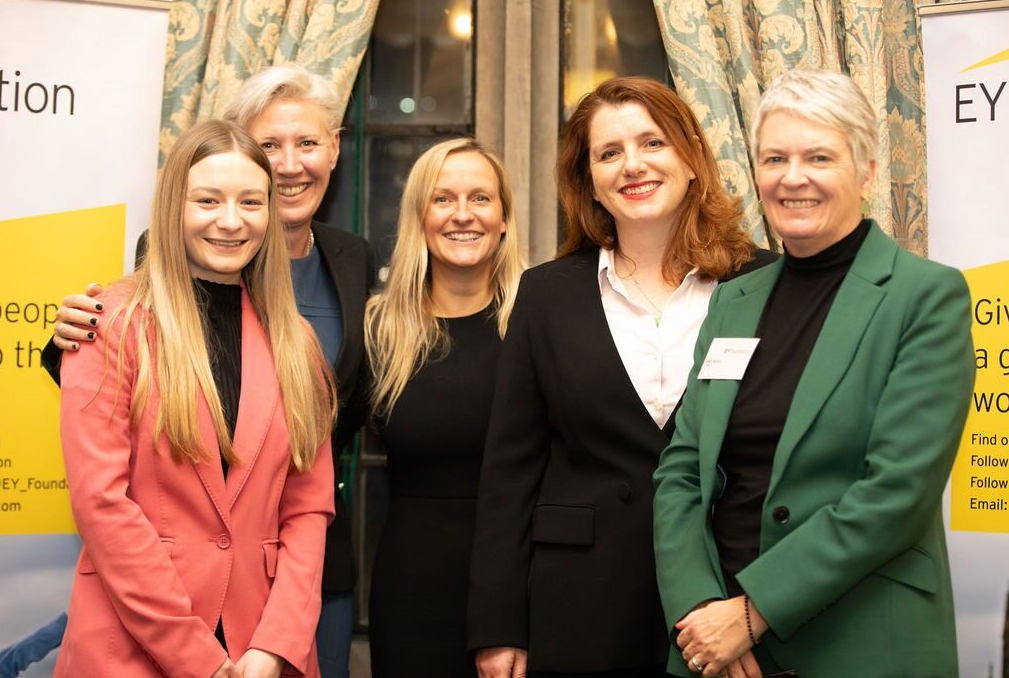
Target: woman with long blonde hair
{"points": [[295, 116], [196, 440], [433, 336]]}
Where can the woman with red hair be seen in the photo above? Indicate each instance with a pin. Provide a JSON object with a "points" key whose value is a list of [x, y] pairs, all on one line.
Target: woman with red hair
{"points": [[594, 363]]}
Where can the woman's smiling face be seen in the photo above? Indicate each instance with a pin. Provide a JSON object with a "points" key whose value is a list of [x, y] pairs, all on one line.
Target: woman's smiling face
{"points": [[464, 221], [808, 182], [295, 137], [637, 176]]}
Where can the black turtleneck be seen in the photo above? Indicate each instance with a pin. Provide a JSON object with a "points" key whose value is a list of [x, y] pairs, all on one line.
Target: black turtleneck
{"points": [[788, 329], [221, 309]]}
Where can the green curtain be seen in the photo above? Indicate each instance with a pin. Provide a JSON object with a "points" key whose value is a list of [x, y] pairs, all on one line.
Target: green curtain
{"points": [[213, 45], [722, 53]]}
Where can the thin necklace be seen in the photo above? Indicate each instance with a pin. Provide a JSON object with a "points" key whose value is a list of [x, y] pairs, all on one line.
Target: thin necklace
{"points": [[657, 312], [311, 244]]}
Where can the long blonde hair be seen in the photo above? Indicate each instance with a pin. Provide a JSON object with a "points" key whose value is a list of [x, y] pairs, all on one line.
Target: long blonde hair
{"points": [[401, 330], [164, 295]]}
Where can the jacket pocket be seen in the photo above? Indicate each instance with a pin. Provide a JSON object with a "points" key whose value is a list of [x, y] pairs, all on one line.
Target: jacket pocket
{"points": [[270, 547], [914, 567], [568, 525]]}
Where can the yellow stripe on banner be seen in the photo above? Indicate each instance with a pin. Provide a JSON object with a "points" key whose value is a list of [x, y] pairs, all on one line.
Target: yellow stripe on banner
{"points": [[42, 259], [980, 481], [994, 59]]}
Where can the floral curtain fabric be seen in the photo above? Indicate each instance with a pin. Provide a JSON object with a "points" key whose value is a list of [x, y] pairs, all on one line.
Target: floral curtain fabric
{"points": [[213, 45], [722, 53]]}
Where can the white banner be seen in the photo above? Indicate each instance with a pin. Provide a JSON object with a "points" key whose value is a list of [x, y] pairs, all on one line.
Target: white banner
{"points": [[80, 109], [966, 55]]}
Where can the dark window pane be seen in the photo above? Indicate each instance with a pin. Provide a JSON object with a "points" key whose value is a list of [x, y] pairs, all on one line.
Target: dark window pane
{"points": [[420, 62], [337, 208]]}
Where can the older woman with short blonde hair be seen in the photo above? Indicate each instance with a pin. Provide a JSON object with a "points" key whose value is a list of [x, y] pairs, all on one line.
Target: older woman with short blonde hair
{"points": [[798, 521]]}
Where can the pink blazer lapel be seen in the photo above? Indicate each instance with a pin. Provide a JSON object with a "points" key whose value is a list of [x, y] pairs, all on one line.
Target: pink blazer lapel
{"points": [[258, 401], [210, 472]]}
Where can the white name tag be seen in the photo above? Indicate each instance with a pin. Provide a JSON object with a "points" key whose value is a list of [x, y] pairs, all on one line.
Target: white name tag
{"points": [[727, 358]]}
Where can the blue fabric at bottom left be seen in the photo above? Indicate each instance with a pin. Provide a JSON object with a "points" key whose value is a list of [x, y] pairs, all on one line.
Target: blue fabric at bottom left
{"points": [[20, 655]]}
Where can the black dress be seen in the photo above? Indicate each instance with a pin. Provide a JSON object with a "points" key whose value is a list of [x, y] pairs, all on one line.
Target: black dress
{"points": [[434, 439]]}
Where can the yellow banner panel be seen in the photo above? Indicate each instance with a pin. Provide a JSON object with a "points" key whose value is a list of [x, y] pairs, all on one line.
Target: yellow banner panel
{"points": [[42, 259], [980, 482]]}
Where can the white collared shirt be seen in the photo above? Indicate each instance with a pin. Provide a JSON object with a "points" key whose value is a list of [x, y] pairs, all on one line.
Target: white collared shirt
{"points": [[657, 358]]}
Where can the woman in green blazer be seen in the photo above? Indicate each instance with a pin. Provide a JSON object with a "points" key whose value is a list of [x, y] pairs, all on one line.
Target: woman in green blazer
{"points": [[798, 521]]}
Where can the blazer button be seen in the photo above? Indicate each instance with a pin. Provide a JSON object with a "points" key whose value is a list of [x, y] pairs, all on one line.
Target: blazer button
{"points": [[223, 541], [780, 514], [624, 491]]}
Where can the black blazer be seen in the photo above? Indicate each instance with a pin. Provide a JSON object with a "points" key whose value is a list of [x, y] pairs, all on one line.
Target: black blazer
{"points": [[562, 561], [348, 259]]}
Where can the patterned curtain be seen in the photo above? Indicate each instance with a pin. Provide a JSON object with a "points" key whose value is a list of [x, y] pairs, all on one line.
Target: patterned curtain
{"points": [[723, 52], [213, 45]]}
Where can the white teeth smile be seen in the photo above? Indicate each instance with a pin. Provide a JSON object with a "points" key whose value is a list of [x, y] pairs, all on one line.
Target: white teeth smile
{"points": [[291, 191], [799, 204], [225, 243], [464, 237], [638, 190]]}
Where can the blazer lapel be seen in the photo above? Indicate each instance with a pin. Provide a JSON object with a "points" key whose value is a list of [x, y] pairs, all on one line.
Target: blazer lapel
{"points": [[586, 294], [258, 400], [210, 472], [850, 315], [738, 317]]}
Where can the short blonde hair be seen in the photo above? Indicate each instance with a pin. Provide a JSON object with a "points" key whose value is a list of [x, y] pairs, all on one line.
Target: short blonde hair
{"points": [[826, 97], [283, 82]]}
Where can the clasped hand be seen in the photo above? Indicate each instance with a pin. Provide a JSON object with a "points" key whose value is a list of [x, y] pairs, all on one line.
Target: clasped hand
{"points": [[253, 664], [715, 642]]}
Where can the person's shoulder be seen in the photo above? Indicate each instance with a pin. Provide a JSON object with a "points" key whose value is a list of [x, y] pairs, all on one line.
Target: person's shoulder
{"points": [[761, 258], [565, 266], [917, 271], [117, 294], [332, 234]]}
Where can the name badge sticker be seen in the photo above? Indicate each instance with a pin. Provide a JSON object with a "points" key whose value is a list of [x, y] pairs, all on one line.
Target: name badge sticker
{"points": [[728, 358]]}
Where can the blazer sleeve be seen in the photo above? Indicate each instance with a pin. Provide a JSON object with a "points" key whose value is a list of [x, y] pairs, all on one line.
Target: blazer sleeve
{"points": [[909, 453], [287, 625], [684, 568], [515, 457], [52, 360], [135, 570]]}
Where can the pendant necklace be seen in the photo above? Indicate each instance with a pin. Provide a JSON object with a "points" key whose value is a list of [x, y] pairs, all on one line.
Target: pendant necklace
{"points": [[657, 312]]}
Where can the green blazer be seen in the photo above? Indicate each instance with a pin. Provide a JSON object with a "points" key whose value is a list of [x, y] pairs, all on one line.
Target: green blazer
{"points": [[852, 576]]}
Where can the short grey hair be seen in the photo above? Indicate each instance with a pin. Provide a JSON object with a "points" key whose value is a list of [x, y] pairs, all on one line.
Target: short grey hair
{"points": [[826, 97], [284, 82]]}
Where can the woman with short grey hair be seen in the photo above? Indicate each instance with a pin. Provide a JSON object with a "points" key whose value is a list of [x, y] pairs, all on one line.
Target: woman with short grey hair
{"points": [[798, 520]]}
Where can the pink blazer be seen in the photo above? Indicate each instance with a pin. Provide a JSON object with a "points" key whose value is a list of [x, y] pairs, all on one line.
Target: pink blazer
{"points": [[169, 548]]}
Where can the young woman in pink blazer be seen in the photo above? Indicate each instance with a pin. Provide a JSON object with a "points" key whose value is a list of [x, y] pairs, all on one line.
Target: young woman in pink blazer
{"points": [[196, 441]]}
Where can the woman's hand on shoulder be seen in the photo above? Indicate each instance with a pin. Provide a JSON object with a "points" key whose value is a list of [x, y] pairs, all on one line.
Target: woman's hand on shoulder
{"points": [[260, 664], [227, 670], [77, 319], [501, 662]]}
